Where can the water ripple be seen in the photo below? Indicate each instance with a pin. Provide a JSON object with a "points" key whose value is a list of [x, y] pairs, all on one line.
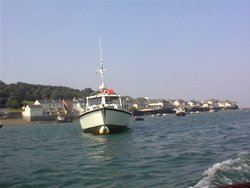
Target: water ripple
{"points": [[202, 150]]}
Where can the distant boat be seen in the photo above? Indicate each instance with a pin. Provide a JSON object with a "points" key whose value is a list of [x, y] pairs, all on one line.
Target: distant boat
{"points": [[104, 112], [180, 112], [137, 118], [213, 110], [197, 112], [60, 119], [3, 115], [63, 119]]}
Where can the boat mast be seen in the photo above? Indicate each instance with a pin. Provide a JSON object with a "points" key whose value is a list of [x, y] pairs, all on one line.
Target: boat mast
{"points": [[101, 70]]}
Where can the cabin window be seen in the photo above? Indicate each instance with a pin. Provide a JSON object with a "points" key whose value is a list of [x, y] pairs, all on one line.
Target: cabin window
{"points": [[95, 101], [112, 100]]}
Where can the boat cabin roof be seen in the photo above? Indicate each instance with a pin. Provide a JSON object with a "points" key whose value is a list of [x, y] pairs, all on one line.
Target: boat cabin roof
{"points": [[103, 92], [102, 95]]}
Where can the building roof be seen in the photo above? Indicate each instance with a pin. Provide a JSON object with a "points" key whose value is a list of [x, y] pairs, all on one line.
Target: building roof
{"points": [[79, 100], [34, 106], [49, 101]]}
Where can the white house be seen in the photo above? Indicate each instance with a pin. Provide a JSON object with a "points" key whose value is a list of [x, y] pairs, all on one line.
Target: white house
{"points": [[32, 111], [211, 104], [179, 103], [193, 104], [227, 104], [135, 106], [157, 104]]}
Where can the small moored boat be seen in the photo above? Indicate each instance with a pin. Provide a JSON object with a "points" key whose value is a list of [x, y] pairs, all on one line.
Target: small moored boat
{"points": [[138, 118], [180, 112], [64, 119], [2, 116]]}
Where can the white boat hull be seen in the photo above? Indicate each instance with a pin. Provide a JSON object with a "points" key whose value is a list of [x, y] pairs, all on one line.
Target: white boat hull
{"points": [[114, 119]]}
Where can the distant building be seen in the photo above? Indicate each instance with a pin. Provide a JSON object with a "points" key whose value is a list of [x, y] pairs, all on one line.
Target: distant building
{"points": [[227, 104], [50, 106], [157, 104], [193, 104], [140, 103], [136, 106], [67, 105], [78, 106], [47, 110], [211, 104], [178, 103], [32, 111]]}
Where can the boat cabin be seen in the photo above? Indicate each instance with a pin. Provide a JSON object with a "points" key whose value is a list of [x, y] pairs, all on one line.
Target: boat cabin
{"points": [[103, 99]]}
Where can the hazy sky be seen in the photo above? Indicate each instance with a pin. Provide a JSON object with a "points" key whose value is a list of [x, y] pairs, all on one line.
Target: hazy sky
{"points": [[189, 49]]}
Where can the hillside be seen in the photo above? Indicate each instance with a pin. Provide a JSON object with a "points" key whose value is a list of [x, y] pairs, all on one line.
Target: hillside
{"points": [[17, 94]]}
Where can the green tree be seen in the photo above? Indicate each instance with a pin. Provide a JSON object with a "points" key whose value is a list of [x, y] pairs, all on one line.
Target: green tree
{"points": [[13, 103], [13, 95]]}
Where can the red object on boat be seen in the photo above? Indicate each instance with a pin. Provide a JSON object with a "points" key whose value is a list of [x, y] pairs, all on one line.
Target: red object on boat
{"points": [[110, 91]]}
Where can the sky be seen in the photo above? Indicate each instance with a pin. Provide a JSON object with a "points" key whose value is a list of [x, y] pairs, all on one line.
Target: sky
{"points": [[170, 49]]}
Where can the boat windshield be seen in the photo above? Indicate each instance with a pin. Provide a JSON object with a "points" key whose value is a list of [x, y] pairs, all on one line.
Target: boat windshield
{"points": [[112, 100], [95, 101]]}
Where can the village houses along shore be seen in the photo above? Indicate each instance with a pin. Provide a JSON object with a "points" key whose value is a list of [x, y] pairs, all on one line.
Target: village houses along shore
{"points": [[48, 110]]}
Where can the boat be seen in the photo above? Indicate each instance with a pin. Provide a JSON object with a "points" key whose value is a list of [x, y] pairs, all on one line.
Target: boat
{"points": [[63, 119], [196, 112], [138, 118], [180, 112], [104, 112], [3, 115], [213, 110], [60, 119]]}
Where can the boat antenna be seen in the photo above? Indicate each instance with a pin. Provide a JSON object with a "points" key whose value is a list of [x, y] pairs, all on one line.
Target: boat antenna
{"points": [[101, 70]]}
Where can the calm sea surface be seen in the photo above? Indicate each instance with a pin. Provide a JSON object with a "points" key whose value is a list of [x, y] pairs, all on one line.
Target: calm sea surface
{"points": [[199, 150]]}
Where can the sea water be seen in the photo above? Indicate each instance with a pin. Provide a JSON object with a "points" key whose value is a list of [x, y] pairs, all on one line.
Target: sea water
{"points": [[198, 150]]}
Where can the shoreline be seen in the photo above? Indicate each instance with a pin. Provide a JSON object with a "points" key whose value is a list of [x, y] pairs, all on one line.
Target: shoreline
{"points": [[20, 121]]}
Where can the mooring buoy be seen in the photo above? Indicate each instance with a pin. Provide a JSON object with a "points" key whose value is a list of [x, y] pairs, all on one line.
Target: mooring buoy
{"points": [[104, 130]]}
